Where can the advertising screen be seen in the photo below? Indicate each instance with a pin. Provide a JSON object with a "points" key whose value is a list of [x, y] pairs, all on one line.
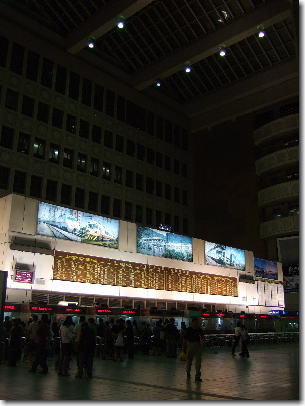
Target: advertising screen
{"points": [[288, 251], [163, 244], [221, 255], [265, 269], [24, 276], [74, 225]]}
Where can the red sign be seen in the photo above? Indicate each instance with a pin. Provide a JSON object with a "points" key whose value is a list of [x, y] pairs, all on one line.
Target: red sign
{"points": [[24, 276], [41, 309], [263, 317], [205, 314], [9, 307], [220, 314], [128, 312], [241, 315], [72, 310], [103, 311]]}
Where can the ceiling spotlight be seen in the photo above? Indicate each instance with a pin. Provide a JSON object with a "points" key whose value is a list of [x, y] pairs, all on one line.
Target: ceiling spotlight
{"points": [[187, 69], [222, 52], [90, 44], [120, 24], [261, 34], [158, 84]]}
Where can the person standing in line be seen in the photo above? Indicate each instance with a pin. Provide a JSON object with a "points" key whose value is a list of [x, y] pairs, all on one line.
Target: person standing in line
{"points": [[236, 338], [129, 340], [244, 339], [82, 320], [118, 332], [15, 343], [41, 341], [86, 349], [31, 331], [194, 338], [66, 336], [108, 350]]}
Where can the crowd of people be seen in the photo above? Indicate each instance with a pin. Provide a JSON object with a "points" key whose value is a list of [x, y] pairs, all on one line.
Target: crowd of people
{"points": [[114, 339]]}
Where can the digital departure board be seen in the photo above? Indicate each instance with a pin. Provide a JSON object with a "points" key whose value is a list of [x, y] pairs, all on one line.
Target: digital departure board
{"points": [[105, 271]]}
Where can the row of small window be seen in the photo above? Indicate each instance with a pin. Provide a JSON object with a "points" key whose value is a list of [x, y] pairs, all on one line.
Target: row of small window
{"points": [[104, 205], [85, 129], [280, 144], [283, 210], [278, 112], [280, 176], [87, 92], [92, 165]]}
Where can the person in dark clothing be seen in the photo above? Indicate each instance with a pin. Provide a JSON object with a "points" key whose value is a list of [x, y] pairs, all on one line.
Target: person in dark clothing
{"points": [[86, 349], [236, 338], [145, 338], [172, 338], [108, 348], [15, 344], [41, 339], [244, 340], [129, 340], [194, 338]]}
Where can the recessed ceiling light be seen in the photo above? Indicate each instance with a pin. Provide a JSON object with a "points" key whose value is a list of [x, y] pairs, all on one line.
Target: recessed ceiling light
{"points": [[91, 44], [120, 24], [187, 69], [222, 52], [158, 84], [261, 34]]}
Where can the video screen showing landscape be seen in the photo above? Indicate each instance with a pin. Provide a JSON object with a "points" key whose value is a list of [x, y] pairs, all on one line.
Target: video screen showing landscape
{"points": [[164, 244], [68, 224], [265, 269], [222, 255]]}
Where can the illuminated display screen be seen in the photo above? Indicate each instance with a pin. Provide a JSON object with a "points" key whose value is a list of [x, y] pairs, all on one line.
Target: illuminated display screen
{"points": [[221, 255], [23, 276], [265, 269], [41, 309], [105, 311], [9, 307], [68, 224], [163, 244]]}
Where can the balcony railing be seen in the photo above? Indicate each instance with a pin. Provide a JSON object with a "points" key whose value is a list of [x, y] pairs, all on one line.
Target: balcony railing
{"points": [[279, 227], [277, 159], [282, 191], [283, 125]]}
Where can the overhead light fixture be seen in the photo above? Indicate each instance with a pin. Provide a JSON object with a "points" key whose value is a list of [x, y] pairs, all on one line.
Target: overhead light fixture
{"points": [[158, 84], [120, 22], [261, 34], [91, 42], [222, 52], [187, 69]]}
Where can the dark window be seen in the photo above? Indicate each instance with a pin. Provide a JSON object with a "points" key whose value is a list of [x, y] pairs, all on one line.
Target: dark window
{"points": [[159, 159], [7, 137], [71, 123], [184, 197], [61, 79], [43, 112], [36, 186], [4, 176], [98, 98], [54, 153], [159, 128], [121, 108], [66, 191], [150, 122], [167, 192], [177, 136], [119, 143], [106, 171], [158, 218], [110, 97], [139, 214], [118, 173], [108, 139], [39, 147], [185, 142], [176, 167], [168, 131], [51, 190], [87, 92], [11, 100], [57, 118], [140, 152], [158, 188], [79, 198], [19, 182], [117, 207], [74, 82], [68, 158], [3, 52], [185, 226], [46, 73], [32, 66], [105, 204], [17, 58], [129, 178], [184, 170], [96, 134], [28, 106], [93, 201], [149, 217], [83, 128], [81, 162], [176, 223], [130, 148], [128, 211], [167, 219], [287, 109], [167, 163], [177, 195], [135, 115], [150, 156], [94, 167], [24, 142], [149, 185], [139, 181]]}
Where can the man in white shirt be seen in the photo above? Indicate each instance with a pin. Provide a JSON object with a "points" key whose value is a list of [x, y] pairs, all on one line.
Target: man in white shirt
{"points": [[66, 338]]}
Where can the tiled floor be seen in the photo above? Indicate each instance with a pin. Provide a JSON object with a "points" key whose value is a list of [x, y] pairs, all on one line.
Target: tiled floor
{"points": [[271, 373]]}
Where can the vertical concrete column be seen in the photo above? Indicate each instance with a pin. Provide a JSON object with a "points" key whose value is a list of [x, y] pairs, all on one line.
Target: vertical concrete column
{"points": [[198, 251]]}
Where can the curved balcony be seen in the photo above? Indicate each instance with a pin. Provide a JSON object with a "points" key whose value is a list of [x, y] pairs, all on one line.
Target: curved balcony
{"points": [[280, 227], [277, 159], [275, 128], [282, 191]]}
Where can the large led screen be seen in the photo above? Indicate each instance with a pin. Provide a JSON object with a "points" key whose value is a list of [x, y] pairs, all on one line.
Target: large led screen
{"points": [[221, 255], [265, 269], [74, 225], [164, 244]]}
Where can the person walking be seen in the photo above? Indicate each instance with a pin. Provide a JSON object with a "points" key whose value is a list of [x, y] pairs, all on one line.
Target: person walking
{"points": [[244, 339], [194, 338], [15, 343], [86, 349], [41, 341], [66, 337], [236, 339]]}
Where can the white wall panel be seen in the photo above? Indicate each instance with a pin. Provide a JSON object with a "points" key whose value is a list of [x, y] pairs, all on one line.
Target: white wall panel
{"points": [[249, 262], [30, 216], [17, 213], [131, 237], [198, 251]]}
